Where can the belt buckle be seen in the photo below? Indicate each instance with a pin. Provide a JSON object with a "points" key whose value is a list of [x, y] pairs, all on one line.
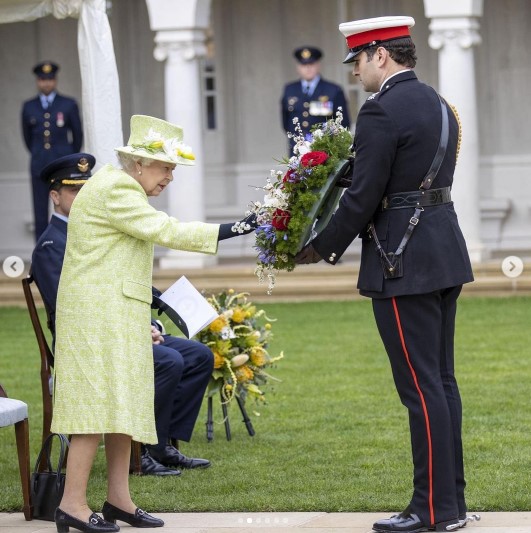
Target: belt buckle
{"points": [[414, 221]]}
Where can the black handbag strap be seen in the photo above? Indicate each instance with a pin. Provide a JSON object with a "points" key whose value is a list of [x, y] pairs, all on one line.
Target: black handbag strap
{"points": [[46, 450]]}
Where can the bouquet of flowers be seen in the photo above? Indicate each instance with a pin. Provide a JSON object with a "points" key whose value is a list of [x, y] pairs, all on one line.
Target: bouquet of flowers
{"points": [[294, 198], [239, 339]]}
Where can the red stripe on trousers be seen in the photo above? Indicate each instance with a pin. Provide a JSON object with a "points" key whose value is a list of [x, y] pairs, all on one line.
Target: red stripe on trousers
{"points": [[424, 408]]}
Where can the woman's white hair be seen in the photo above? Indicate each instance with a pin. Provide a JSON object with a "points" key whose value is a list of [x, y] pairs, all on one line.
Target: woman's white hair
{"points": [[128, 161]]}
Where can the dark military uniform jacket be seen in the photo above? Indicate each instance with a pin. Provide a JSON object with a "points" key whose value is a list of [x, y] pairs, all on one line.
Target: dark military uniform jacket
{"points": [[51, 133], [47, 263], [321, 106], [397, 135]]}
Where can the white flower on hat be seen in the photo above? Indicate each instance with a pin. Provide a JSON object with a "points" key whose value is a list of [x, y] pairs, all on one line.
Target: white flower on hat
{"points": [[178, 151], [175, 149]]}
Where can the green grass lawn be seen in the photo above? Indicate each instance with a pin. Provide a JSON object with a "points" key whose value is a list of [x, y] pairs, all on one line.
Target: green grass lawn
{"points": [[333, 435]]}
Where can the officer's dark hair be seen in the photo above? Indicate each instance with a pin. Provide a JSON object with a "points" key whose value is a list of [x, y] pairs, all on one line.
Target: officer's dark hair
{"points": [[401, 50]]}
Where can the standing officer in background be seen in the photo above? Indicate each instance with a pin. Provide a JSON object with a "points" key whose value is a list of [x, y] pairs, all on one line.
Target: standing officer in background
{"points": [[52, 128], [414, 257], [311, 99]]}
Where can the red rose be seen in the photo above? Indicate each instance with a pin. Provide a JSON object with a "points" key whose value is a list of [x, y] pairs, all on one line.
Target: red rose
{"points": [[280, 219], [312, 159]]}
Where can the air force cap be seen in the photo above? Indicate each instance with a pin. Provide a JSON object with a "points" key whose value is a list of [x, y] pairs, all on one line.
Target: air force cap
{"points": [[307, 54], [74, 169], [45, 70], [361, 34]]}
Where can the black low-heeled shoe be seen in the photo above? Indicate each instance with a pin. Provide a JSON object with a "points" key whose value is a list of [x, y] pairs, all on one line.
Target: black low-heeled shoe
{"points": [[95, 524], [138, 519]]}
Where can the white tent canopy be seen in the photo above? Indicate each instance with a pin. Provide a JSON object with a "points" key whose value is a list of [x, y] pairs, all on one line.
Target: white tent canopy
{"points": [[102, 121]]}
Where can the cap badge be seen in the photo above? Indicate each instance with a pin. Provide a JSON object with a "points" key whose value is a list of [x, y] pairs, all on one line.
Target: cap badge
{"points": [[306, 54], [83, 164], [47, 68]]}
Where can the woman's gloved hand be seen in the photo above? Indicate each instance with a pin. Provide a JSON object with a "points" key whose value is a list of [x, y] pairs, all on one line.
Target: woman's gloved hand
{"points": [[234, 229]]}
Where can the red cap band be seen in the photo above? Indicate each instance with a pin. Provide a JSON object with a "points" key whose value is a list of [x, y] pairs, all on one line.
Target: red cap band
{"points": [[381, 34]]}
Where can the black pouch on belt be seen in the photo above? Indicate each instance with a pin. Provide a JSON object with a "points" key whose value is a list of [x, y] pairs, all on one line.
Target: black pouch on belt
{"points": [[391, 265]]}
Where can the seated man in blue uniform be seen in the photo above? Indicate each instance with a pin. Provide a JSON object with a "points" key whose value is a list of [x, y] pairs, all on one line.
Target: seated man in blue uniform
{"points": [[51, 126], [414, 258], [182, 367], [311, 99]]}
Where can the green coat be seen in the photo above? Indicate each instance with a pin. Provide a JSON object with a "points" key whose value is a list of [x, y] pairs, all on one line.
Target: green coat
{"points": [[103, 355]]}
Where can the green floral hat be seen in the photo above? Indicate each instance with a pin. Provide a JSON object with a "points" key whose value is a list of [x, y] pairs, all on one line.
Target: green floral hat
{"points": [[157, 139]]}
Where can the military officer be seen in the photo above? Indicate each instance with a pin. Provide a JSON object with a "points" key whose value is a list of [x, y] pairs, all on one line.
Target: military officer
{"points": [[52, 128], [311, 99], [414, 257], [182, 367]]}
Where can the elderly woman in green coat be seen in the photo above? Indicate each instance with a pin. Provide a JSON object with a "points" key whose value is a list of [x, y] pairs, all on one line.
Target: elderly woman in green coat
{"points": [[104, 381]]}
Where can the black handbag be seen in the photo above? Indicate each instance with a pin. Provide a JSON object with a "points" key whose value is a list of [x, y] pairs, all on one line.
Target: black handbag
{"points": [[47, 487]]}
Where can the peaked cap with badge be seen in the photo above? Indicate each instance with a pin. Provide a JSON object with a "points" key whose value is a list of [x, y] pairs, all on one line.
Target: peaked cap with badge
{"points": [[73, 169], [46, 70], [306, 55], [362, 34]]}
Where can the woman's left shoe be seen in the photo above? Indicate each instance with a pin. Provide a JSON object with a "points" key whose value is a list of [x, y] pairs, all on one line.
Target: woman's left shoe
{"points": [[138, 519]]}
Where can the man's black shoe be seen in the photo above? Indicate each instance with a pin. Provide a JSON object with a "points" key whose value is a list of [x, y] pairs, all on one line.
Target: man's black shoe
{"points": [[151, 467], [408, 522], [171, 456]]}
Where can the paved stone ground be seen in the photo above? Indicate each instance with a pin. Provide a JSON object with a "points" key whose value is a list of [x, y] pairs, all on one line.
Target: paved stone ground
{"points": [[277, 523]]}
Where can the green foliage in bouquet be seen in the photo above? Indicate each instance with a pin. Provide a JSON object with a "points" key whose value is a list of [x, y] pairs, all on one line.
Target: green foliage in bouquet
{"points": [[284, 215]]}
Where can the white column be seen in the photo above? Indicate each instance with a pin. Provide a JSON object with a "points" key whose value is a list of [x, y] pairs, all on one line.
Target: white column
{"points": [[454, 31], [182, 49]]}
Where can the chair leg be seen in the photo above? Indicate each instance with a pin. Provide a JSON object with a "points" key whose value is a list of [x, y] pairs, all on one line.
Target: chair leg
{"points": [[136, 457], [22, 438]]}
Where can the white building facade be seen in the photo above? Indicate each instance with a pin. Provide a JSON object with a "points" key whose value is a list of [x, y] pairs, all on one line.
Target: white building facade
{"points": [[217, 68]]}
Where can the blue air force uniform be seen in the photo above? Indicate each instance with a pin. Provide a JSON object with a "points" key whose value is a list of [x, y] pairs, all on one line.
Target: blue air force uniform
{"points": [[52, 129], [312, 103]]}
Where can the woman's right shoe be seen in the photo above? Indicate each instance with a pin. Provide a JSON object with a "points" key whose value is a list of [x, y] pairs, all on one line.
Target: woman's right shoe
{"points": [[139, 518], [96, 524]]}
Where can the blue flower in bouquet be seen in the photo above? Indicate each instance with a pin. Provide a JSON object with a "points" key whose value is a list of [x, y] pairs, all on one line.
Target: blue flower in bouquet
{"points": [[290, 195]]}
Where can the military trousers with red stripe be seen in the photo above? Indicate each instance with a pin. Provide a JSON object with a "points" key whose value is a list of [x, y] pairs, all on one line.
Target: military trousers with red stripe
{"points": [[418, 334]]}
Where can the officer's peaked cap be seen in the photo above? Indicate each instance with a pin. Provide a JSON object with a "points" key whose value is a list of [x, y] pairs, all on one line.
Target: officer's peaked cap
{"points": [[46, 70], [73, 169], [361, 34], [307, 54]]}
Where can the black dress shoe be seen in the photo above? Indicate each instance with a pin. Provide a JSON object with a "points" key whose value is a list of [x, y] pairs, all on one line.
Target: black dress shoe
{"points": [[405, 521], [96, 524], [171, 456], [138, 519], [150, 467], [408, 522]]}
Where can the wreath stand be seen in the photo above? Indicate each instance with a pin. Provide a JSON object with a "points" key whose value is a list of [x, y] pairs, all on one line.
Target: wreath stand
{"points": [[225, 411]]}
